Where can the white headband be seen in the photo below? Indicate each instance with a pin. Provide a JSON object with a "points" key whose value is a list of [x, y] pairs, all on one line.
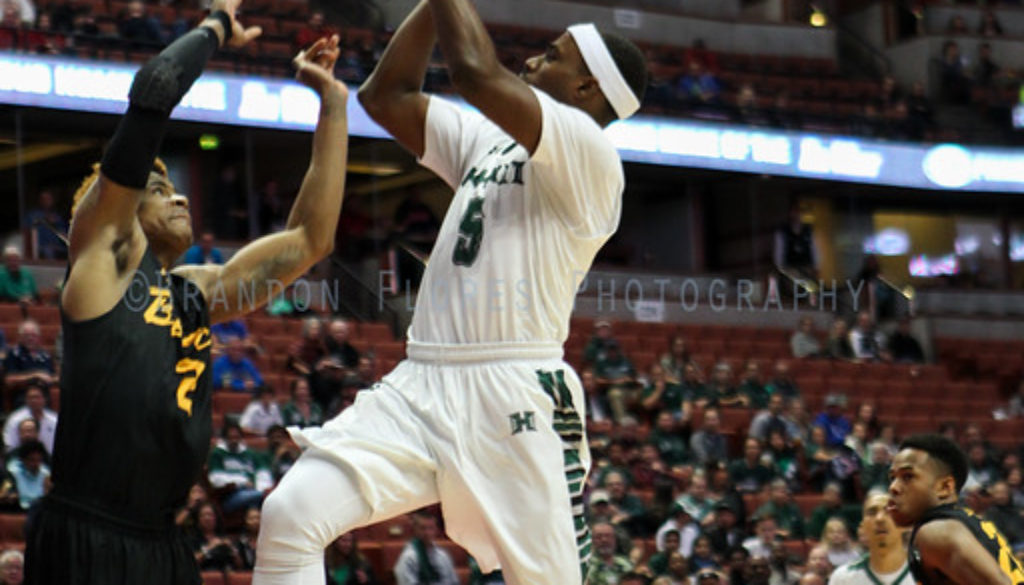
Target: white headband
{"points": [[602, 66]]}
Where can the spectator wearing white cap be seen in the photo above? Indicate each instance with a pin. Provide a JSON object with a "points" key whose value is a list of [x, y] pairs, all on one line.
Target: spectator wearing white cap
{"points": [[16, 283]]}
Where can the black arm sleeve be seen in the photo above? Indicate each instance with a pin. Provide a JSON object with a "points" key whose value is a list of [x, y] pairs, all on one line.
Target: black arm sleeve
{"points": [[157, 88]]}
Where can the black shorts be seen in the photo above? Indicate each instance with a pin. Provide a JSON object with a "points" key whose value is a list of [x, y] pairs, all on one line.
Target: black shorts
{"points": [[71, 545]]}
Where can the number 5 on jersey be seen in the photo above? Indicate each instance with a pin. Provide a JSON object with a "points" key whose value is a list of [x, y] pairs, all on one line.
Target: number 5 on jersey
{"points": [[471, 232]]}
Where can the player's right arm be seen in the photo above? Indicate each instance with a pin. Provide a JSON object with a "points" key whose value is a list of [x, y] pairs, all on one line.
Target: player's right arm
{"points": [[392, 94], [106, 238], [950, 548]]}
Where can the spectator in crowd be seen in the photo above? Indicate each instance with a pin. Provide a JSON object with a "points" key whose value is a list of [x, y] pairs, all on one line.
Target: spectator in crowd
{"points": [[782, 382], [753, 388], [186, 515], [818, 565], [785, 458], [24, 11], [616, 373], [48, 244], [350, 67], [203, 252], [301, 411], [657, 564], [857, 440], [801, 419], [1004, 515], [694, 390], [12, 567], [987, 70], [785, 567], [662, 395], [233, 371], [421, 560], [866, 340], [338, 346], [627, 508], [708, 445], [138, 26], [794, 251], [346, 565], [224, 331], [721, 391], [698, 87], [782, 114], [676, 359], [598, 407], [261, 414], [667, 439], [31, 475], [605, 567], [681, 521], [617, 461], [758, 570], [772, 418], [724, 530], [749, 474], [696, 498], [314, 30], [305, 353], [838, 345], [840, 548], [780, 505], [989, 26], [835, 423], [213, 550], [34, 409], [17, 285], [980, 470], [245, 543], [28, 432], [239, 472], [703, 556], [818, 455], [28, 363], [598, 343], [955, 80], [765, 534], [327, 383], [282, 450], [889, 94], [866, 414], [747, 109], [875, 474]]}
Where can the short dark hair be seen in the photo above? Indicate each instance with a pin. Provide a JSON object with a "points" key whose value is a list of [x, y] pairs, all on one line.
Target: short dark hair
{"points": [[230, 425], [942, 450], [630, 61], [31, 447]]}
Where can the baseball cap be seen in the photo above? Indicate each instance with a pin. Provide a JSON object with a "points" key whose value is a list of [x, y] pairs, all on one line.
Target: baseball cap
{"points": [[599, 497]]}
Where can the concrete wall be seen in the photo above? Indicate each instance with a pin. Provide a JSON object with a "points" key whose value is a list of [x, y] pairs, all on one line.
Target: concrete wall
{"points": [[720, 35], [868, 24]]}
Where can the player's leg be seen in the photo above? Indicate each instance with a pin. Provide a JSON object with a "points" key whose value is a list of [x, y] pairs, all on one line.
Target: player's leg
{"points": [[367, 465], [512, 494]]}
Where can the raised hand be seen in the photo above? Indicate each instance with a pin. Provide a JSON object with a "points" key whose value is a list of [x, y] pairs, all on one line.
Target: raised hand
{"points": [[314, 67], [240, 35]]}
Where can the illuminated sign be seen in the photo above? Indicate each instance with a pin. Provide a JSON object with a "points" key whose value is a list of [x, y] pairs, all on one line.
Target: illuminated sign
{"points": [[53, 82]]}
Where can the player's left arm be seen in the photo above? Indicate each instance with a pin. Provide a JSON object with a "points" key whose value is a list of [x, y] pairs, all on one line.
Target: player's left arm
{"points": [[479, 76], [309, 234], [947, 545]]}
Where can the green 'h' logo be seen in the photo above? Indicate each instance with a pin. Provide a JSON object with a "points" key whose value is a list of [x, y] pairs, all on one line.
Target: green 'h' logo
{"points": [[521, 421]]}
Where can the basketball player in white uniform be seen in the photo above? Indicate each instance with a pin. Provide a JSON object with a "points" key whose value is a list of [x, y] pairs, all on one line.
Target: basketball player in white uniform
{"points": [[886, 561], [484, 416]]}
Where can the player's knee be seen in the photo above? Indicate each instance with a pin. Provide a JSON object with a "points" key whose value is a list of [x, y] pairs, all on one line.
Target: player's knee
{"points": [[289, 521]]}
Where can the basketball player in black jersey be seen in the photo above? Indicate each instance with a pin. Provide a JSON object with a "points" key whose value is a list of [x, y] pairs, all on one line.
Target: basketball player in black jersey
{"points": [[135, 420], [949, 544]]}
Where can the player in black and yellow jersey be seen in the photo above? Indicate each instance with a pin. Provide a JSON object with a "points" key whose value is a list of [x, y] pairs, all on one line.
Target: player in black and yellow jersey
{"points": [[135, 421], [949, 544]]}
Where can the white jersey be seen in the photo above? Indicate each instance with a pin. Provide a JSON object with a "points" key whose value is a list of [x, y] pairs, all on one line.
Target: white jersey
{"points": [[521, 231], [859, 573]]}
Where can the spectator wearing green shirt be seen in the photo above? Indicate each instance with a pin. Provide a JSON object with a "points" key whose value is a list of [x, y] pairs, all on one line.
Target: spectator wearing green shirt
{"points": [[832, 505], [721, 391], [242, 473], [661, 395], [667, 439], [753, 387], [788, 519], [17, 285], [605, 567], [749, 474]]}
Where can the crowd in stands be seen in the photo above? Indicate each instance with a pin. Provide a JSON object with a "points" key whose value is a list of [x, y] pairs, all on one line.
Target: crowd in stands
{"points": [[693, 82]]}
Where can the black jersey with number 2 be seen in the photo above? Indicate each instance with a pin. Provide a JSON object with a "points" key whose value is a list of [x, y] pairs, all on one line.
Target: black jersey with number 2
{"points": [[984, 531]]}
